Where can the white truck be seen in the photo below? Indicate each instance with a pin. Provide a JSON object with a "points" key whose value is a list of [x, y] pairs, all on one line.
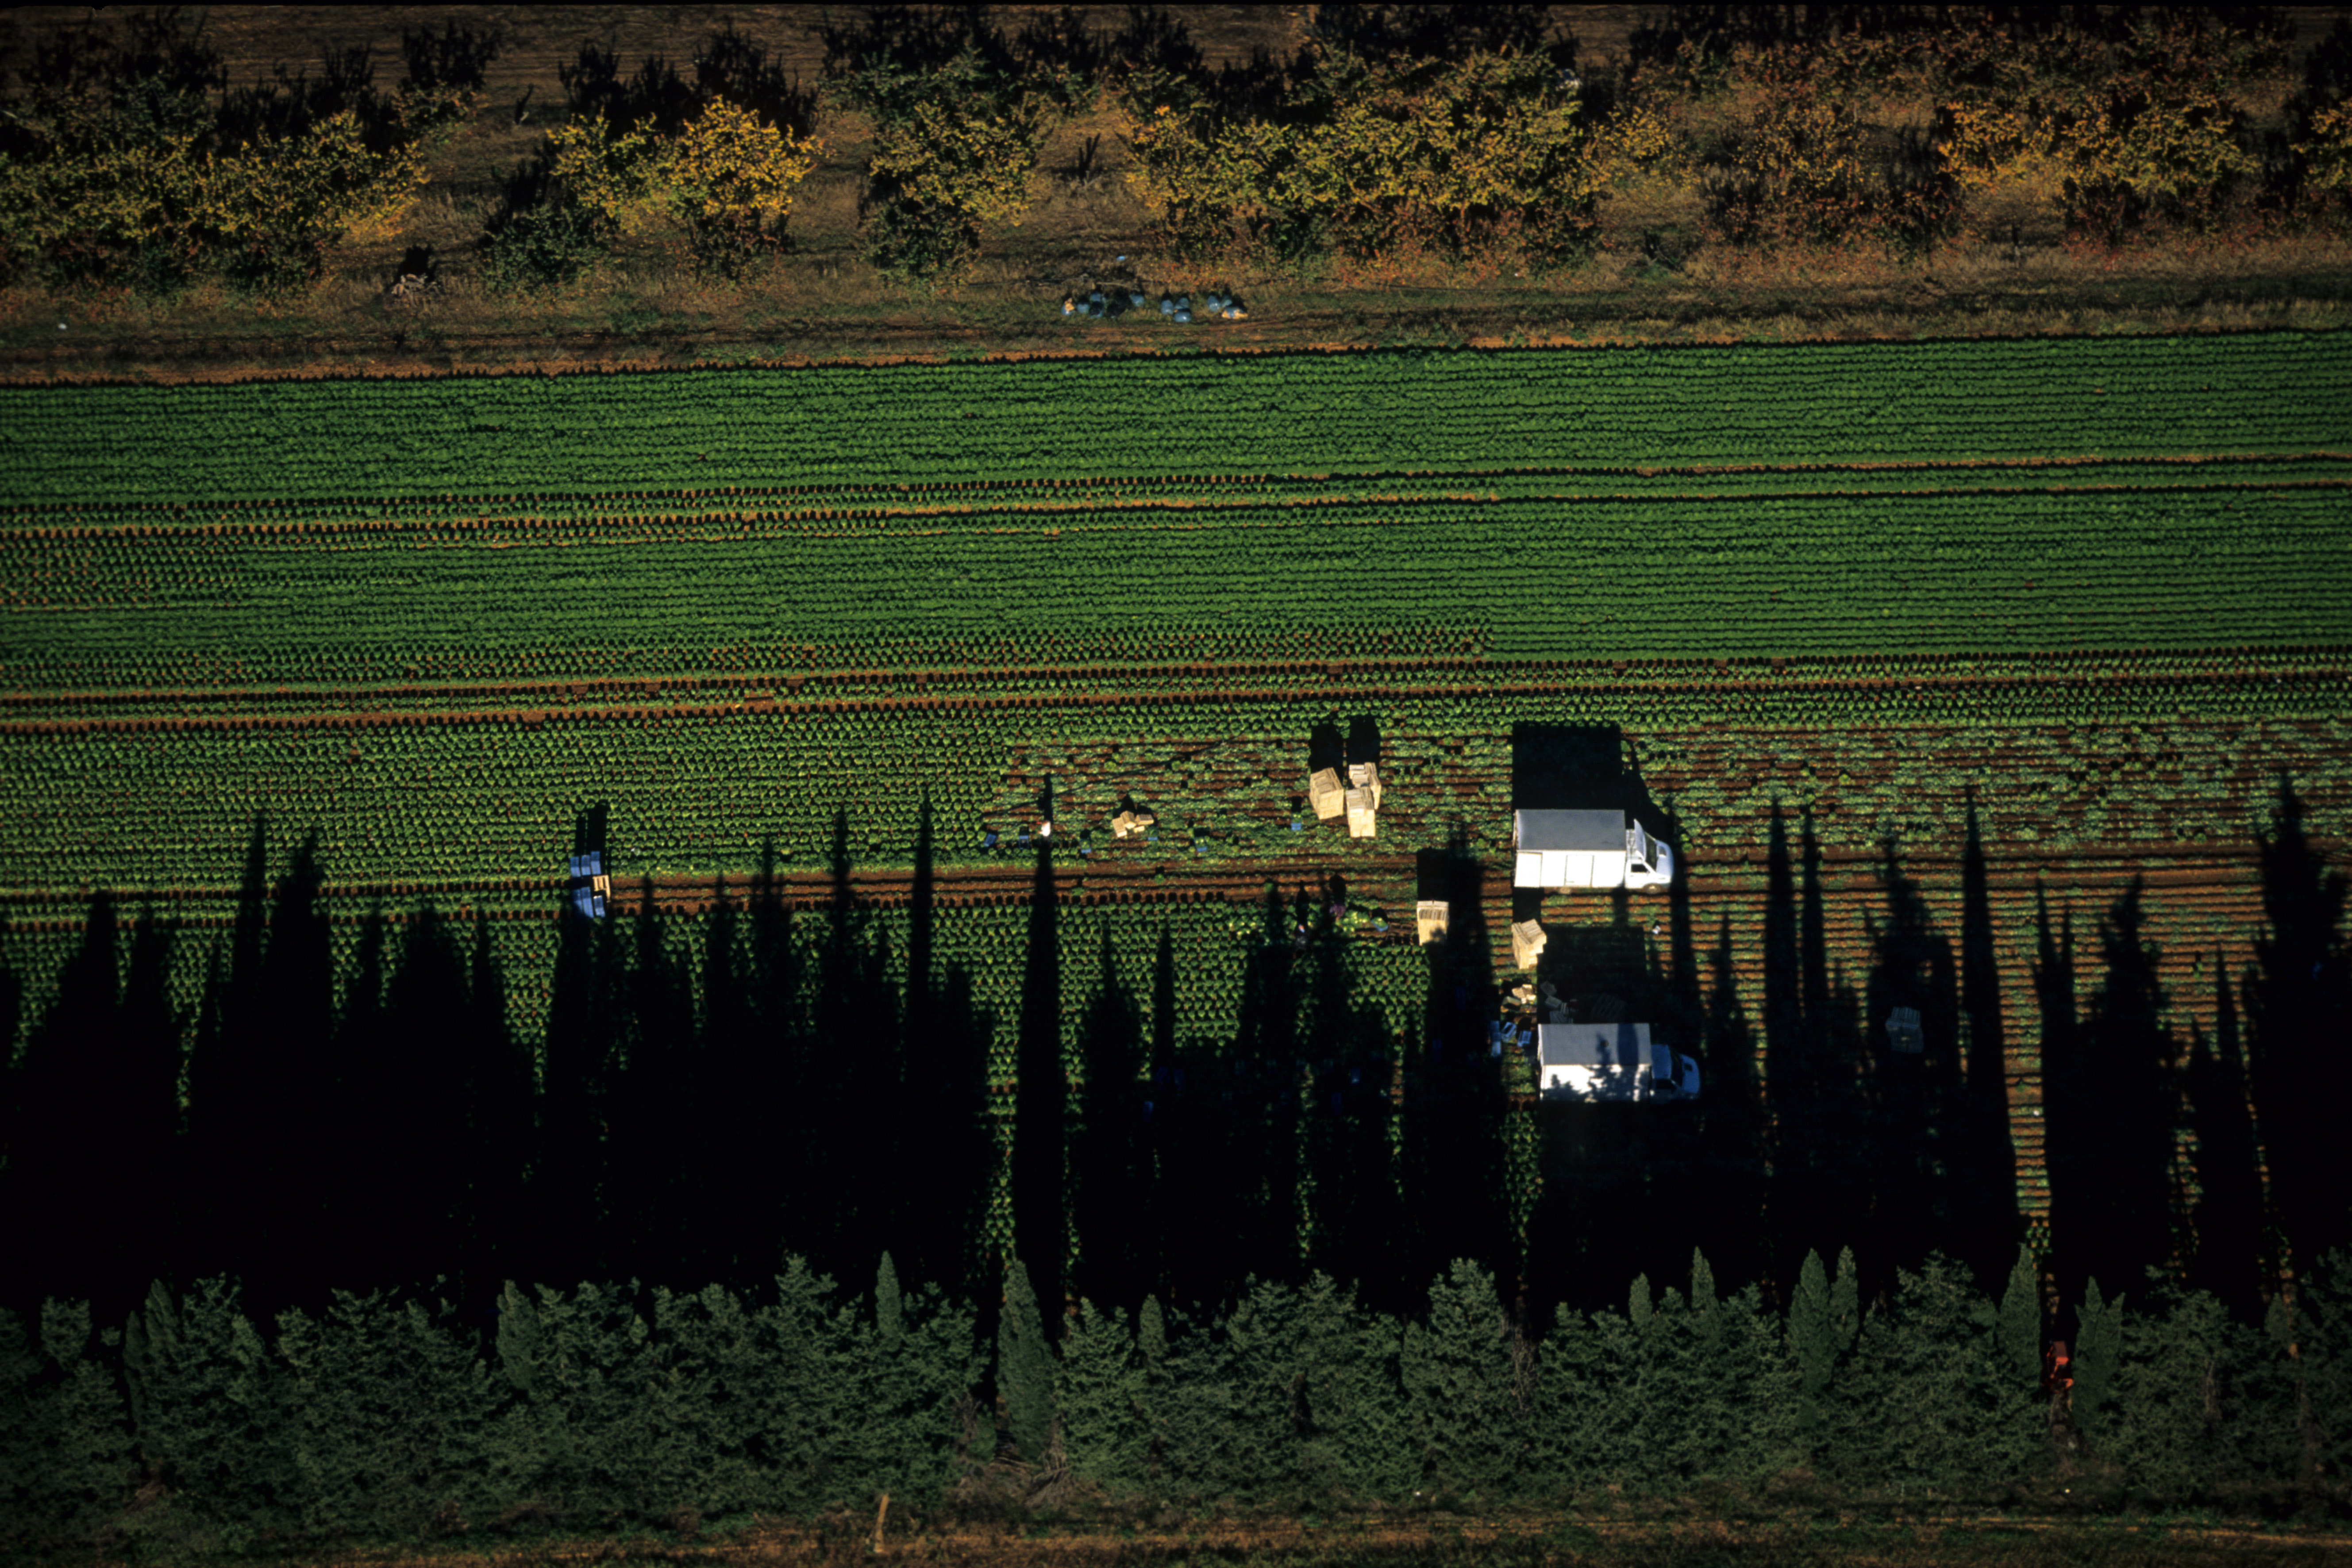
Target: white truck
{"points": [[1610, 1062], [1588, 849]]}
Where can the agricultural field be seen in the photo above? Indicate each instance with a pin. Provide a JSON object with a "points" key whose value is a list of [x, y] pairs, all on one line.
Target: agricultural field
{"points": [[2087, 595]]}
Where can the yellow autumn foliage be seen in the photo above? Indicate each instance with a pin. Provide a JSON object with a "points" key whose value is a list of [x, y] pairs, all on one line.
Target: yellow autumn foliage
{"points": [[2328, 149], [951, 155], [1421, 146], [103, 189], [728, 166], [725, 169]]}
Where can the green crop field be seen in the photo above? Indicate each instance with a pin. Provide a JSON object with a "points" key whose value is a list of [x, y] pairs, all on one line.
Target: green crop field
{"points": [[2095, 592]]}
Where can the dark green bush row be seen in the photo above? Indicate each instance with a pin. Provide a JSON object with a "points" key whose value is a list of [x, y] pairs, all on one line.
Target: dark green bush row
{"points": [[384, 1418]]}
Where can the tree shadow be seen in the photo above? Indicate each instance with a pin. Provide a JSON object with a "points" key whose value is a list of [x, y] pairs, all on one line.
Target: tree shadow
{"points": [[458, 57], [1419, 32], [1455, 1086], [2231, 1258], [2298, 1006], [1913, 1075], [1042, 1091], [1986, 1224], [2109, 1112], [1110, 1176]]}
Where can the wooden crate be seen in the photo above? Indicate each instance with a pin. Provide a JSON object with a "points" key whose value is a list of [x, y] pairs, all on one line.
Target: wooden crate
{"points": [[1329, 794]]}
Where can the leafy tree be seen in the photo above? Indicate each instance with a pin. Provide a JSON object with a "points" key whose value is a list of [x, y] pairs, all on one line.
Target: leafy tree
{"points": [[957, 137], [122, 163]]}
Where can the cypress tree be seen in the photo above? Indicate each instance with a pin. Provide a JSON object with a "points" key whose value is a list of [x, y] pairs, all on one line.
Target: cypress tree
{"points": [[1457, 1380], [1024, 1366], [1810, 1332], [1097, 1386], [392, 1409], [919, 1360], [215, 1416], [65, 1458], [2020, 1321], [1845, 1307], [1152, 1392], [2099, 1351]]}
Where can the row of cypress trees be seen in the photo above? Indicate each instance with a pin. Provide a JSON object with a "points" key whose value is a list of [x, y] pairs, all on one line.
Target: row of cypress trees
{"points": [[384, 1417]]}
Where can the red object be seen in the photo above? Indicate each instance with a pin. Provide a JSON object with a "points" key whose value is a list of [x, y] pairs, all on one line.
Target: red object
{"points": [[2057, 1368]]}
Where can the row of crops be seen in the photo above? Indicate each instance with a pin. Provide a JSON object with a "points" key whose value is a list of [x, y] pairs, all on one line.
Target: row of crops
{"points": [[1947, 573], [733, 510], [1442, 411], [145, 807]]}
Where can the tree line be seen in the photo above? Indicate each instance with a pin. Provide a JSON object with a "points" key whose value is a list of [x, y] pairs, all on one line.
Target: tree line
{"points": [[784, 1093], [1467, 133], [194, 1427]]}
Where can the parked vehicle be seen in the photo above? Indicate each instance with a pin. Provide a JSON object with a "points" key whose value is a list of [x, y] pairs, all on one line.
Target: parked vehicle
{"points": [[1588, 849]]}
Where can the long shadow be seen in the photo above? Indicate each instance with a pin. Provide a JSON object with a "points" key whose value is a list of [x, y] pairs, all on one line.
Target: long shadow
{"points": [[1263, 1130], [851, 1064], [1792, 1131], [2069, 1092], [505, 1130], [62, 1094], [578, 1067], [425, 1113], [2111, 1197], [1042, 1095], [2298, 1001], [1454, 1094], [1986, 1224], [261, 1103], [1110, 1174], [1732, 1125], [1357, 1204], [2231, 1258], [1915, 1097]]}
